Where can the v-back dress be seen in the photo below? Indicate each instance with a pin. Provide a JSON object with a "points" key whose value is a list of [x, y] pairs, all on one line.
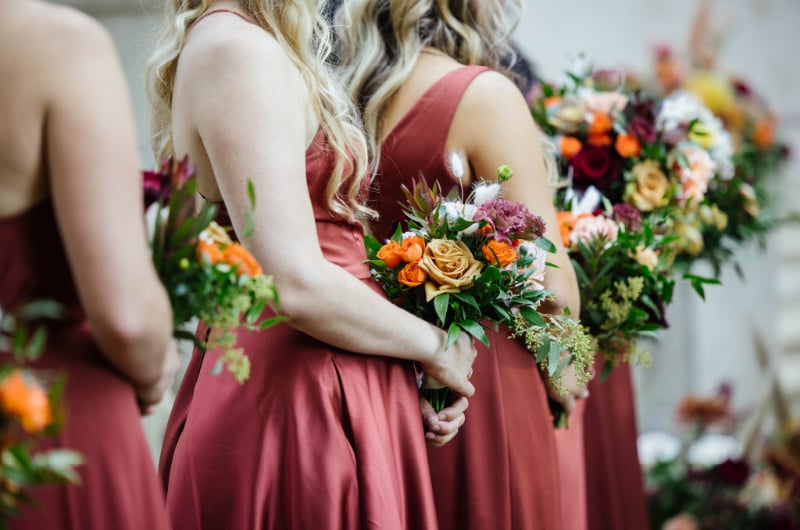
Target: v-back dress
{"points": [[118, 487], [317, 438], [500, 471]]}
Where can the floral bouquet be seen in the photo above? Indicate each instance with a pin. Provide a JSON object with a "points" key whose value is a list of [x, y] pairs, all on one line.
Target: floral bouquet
{"points": [[756, 154], [467, 263], [635, 176], [206, 274], [29, 411]]}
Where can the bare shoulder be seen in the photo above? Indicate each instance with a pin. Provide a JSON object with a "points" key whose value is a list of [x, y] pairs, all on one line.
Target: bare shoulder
{"points": [[62, 31], [225, 45], [492, 92]]}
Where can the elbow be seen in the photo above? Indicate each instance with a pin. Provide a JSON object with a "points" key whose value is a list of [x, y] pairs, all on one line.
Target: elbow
{"points": [[299, 295]]}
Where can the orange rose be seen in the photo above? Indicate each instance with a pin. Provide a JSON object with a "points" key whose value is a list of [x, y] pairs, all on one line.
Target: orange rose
{"points": [[566, 222], [599, 140], [601, 124], [411, 249], [210, 251], [627, 146], [28, 402], [569, 146], [552, 100], [411, 275], [391, 254], [764, 134], [237, 256], [499, 253], [486, 229]]}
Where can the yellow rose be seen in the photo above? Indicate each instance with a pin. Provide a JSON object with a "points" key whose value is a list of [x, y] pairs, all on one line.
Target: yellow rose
{"points": [[690, 239], [450, 265], [569, 117], [748, 193], [650, 189]]}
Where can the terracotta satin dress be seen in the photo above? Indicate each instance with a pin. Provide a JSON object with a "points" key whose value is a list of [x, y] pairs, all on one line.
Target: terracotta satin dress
{"points": [[615, 489], [500, 471], [119, 488], [318, 438]]}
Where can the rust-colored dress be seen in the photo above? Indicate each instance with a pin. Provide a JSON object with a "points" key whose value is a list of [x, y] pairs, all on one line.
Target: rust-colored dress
{"points": [[615, 488], [500, 471], [317, 438], [119, 488]]}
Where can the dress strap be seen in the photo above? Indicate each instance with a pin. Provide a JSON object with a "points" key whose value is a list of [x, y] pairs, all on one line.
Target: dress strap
{"points": [[231, 11]]}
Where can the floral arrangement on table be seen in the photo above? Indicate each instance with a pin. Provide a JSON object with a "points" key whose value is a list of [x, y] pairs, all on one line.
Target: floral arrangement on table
{"points": [[29, 412], [707, 483], [206, 274], [634, 173], [757, 155], [465, 263]]}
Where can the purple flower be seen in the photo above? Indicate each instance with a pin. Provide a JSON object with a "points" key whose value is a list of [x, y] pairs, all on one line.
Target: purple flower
{"points": [[510, 220], [643, 129], [627, 215]]}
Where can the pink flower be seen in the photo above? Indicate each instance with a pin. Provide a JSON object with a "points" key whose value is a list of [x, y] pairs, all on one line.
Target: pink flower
{"points": [[604, 102], [510, 220], [539, 265], [590, 227], [696, 176]]}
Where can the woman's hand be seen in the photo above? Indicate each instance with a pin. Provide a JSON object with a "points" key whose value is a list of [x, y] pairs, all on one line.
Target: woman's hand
{"points": [[443, 426], [575, 390], [453, 366], [150, 395]]}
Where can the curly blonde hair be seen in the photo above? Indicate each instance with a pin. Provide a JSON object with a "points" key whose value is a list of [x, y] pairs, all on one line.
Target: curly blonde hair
{"points": [[379, 42], [300, 27]]}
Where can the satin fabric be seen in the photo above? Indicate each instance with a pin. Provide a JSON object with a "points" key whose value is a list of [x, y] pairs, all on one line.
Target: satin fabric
{"points": [[501, 470], [572, 470], [118, 482], [317, 438], [615, 488]]}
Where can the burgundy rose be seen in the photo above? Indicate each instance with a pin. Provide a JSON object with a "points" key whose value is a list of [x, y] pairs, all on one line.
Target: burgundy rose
{"points": [[595, 166], [627, 215], [643, 129], [733, 472], [170, 175], [153, 186]]}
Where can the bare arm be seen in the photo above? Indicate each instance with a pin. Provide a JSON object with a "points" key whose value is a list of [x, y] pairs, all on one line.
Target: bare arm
{"points": [[493, 126], [96, 189], [258, 127]]}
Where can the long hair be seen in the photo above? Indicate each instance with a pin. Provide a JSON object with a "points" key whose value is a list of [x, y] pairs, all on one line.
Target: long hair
{"points": [[379, 42], [301, 29]]}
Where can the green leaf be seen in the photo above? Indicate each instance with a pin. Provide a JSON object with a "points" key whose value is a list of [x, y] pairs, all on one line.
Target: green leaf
{"points": [[467, 299], [441, 304], [532, 316], [452, 334], [251, 193], [607, 367], [543, 350], [272, 321], [254, 312], [545, 244], [36, 343], [475, 329], [398, 234], [553, 357]]}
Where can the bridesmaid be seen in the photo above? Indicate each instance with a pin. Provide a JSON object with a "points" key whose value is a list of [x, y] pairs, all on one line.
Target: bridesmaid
{"points": [[71, 230], [404, 63], [326, 433]]}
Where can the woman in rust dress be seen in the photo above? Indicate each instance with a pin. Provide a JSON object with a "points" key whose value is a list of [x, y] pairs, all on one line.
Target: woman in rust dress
{"points": [[71, 230], [406, 64], [326, 433]]}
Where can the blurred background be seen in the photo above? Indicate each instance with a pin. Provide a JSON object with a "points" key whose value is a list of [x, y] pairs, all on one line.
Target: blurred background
{"points": [[747, 332]]}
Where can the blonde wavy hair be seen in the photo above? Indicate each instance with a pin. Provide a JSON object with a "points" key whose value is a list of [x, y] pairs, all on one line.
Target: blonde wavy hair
{"points": [[302, 30], [379, 42]]}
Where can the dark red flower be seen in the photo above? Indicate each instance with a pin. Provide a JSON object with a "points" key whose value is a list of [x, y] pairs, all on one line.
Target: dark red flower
{"points": [[627, 215], [595, 166], [733, 472], [643, 129], [170, 175]]}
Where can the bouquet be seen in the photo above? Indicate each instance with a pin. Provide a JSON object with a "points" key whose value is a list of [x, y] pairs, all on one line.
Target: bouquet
{"points": [[465, 263], [634, 181], [757, 155], [29, 411], [206, 274]]}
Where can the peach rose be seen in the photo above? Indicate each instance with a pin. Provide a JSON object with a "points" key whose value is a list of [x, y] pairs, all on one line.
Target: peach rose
{"points": [[695, 177], [412, 275], [411, 249], [450, 265], [499, 253], [646, 256], [649, 191]]}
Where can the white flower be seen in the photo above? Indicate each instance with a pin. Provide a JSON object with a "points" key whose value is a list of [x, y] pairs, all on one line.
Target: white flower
{"points": [[713, 449], [657, 446], [456, 162], [539, 264], [454, 210], [485, 191], [585, 203], [150, 218]]}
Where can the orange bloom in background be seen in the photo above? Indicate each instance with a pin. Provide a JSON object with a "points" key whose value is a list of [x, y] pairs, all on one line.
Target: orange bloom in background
{"points": [[237, 256], [627, 146], [552, 100], [764, 134], [391, 254], [412, 248], [599, 140], [566, 222], [499, 253], [569, 146], [26, 401], [486, 229], [601, 124], [411, 275], [210, 251]]}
